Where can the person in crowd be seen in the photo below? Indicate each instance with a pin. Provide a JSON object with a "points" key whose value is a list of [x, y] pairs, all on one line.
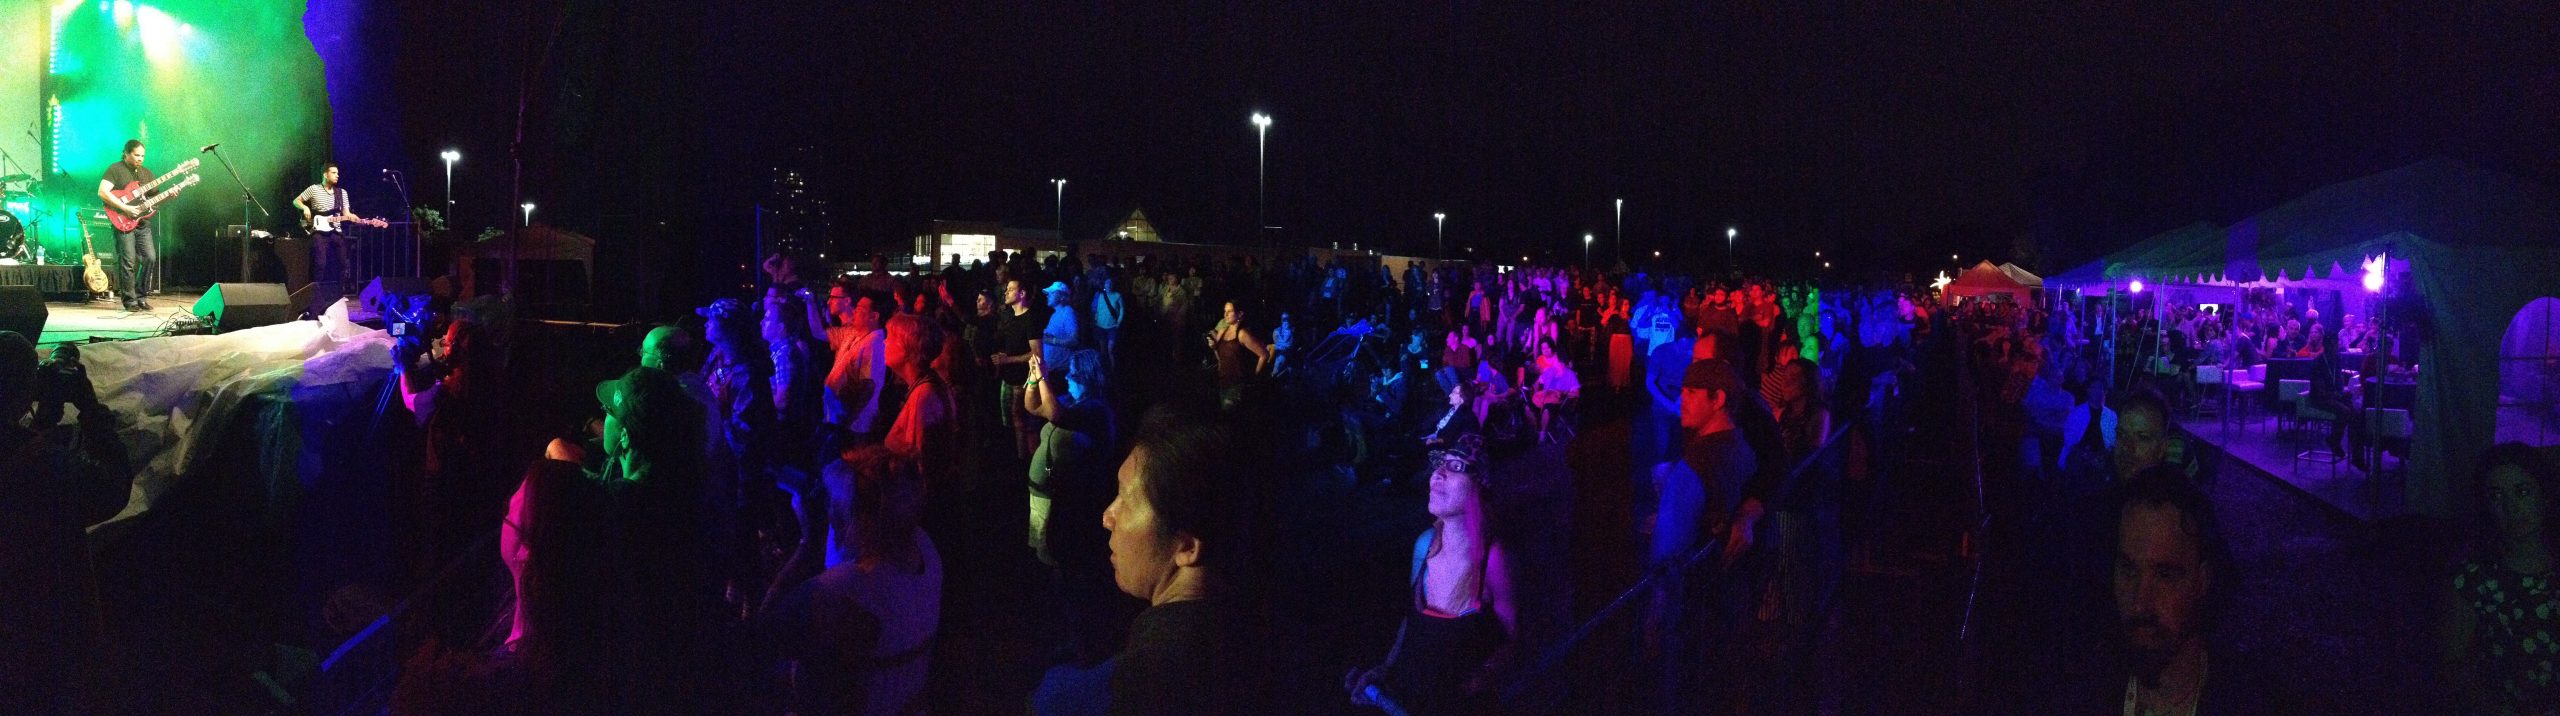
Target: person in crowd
{"points": [[1463, 615], [1284, 337], [860, 370], [2329, 394], [556, 543], [2089, 432], [1184, 528], [653, 463], [1063, 334], [1241, 352], [2142, 433], [1465, 416], [1557, 385], [927, 428], [2498, 622], [1109, 311], [857, 610], [1070, 486], [1016, 340], [791, 327], [57, 483], [2173, 584]]}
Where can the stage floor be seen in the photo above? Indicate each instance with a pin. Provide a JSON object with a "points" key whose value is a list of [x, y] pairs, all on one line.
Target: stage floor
{"points": [[2345, 489], [71, 322]]}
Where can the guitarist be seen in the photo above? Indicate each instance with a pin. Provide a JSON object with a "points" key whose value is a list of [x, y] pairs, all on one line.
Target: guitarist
{"points": [[326, 209], [134, 248]]}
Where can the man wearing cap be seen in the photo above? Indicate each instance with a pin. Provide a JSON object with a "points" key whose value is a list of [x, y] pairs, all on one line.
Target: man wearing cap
{"points": [[1059, 342], [1709, 484]]}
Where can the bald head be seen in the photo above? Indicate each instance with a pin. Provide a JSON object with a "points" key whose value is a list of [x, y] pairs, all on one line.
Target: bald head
{"points": [[664, 346]]}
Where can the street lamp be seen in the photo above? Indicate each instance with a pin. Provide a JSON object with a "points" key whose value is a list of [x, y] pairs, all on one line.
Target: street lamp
{"points": [[528, 214], [1062, 207], [1261, 191], [1439, 234], [450, 156], [1621, 238], [1729, 233], [1586, 250]]}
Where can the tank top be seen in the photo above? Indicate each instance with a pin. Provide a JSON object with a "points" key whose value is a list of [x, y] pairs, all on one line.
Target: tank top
{"points": [[1235, 362], [1440, 653]]}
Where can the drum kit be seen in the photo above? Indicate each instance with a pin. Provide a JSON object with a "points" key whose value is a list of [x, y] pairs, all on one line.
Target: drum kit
{"points": [[13, 231]]}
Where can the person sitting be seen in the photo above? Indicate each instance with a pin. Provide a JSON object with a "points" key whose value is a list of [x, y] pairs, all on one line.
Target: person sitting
{"points": [[859, 633], [1465, 416], [1463, 615], [1556, 385]]}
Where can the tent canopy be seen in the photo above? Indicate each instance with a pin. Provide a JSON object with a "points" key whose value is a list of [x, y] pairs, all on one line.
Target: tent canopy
{"points": [[2022, 276], [2149, 257], [1985, 279], [2447, 202]]}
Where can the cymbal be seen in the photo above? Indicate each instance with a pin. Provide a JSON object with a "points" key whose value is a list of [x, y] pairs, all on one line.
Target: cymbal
{"points": [[15, 178]]}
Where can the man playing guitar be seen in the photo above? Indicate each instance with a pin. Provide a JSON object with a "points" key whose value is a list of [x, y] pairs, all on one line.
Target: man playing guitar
{"points": [[134, 248], [325, 210]]}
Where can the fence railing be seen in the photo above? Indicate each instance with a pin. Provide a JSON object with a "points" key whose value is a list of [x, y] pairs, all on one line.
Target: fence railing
{"points": [[1541, 670]]}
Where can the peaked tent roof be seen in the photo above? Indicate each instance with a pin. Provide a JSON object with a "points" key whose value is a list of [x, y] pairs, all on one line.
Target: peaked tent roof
{"points": [[2112, 266], [2442, 200], [2022, 276], [1136, 227]]}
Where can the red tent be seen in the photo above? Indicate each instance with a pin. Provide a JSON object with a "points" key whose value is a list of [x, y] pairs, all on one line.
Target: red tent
{"points": [[1985, 280]]}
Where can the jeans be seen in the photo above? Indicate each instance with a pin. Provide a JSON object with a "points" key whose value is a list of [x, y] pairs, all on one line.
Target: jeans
{"points": [[134, 249], [332, 257]]}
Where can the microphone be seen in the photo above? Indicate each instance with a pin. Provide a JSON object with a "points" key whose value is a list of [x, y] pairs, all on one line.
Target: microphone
{"points": [[208, 147]]}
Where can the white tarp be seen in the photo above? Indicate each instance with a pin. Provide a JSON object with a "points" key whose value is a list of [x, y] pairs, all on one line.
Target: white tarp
{"points": [[173, 393]]}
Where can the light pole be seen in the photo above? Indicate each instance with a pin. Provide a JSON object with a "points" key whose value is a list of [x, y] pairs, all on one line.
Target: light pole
{"points": [[450, 156], [1586, 250], [1439, 234], [1729, 233], [1621, 238], [1062, 207], [528, 214], [1261, 192]]}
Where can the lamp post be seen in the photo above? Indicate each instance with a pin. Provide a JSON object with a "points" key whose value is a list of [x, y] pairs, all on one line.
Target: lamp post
{"points": [[528, 214], [1439, 234], [1621, 238], [1062, 207], [1261, 191], [1586, 250], [1729, 233], [450, 156]]}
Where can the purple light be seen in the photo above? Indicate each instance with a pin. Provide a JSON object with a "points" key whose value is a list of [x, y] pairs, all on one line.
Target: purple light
{"points": [[2137, 285]]}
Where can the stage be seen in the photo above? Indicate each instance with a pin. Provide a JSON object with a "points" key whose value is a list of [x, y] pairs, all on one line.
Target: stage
{"points": [[75, 322]]}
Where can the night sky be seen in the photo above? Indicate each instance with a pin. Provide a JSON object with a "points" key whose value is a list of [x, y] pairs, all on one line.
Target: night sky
{"points": [[1891, 135]]}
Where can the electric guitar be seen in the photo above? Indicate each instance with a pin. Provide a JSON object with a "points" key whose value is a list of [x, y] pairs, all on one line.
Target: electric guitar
{"points": [[147, 196], [325, 223], [90, 271]]}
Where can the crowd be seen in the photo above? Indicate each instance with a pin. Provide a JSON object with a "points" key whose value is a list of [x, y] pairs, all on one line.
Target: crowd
{"points": [[755, 516]]}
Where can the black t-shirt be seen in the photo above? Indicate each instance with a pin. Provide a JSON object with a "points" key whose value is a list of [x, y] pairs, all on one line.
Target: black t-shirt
{"points": [[1014, 334], [1195, 657], [121, 174]]}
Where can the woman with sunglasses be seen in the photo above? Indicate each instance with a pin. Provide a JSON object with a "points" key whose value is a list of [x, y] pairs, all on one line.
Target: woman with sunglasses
{"points": [[1464, 617]]}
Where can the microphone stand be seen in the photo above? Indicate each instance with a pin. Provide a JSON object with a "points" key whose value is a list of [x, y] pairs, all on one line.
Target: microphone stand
{"points": [[399, 182], [248, 200]]}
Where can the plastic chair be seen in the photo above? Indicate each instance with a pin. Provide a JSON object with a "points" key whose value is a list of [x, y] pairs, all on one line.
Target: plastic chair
{"points": [[2209, 380], [2304, 414], [2290, 395], [2387, 428], [2239, 388]]}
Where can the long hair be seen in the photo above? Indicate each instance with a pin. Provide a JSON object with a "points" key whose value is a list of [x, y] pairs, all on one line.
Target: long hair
{"points": [[2487, 544]]}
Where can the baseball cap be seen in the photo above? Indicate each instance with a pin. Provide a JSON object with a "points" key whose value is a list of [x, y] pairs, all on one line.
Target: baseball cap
{"points": [[1711, 374]]}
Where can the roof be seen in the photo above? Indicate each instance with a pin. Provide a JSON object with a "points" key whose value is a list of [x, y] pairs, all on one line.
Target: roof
{"points": [[2444, 201]]}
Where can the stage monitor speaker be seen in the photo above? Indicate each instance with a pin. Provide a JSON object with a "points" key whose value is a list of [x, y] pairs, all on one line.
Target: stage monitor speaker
{"points": [[313, 299], [22, 310], [401, 292], [234, 306]]}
